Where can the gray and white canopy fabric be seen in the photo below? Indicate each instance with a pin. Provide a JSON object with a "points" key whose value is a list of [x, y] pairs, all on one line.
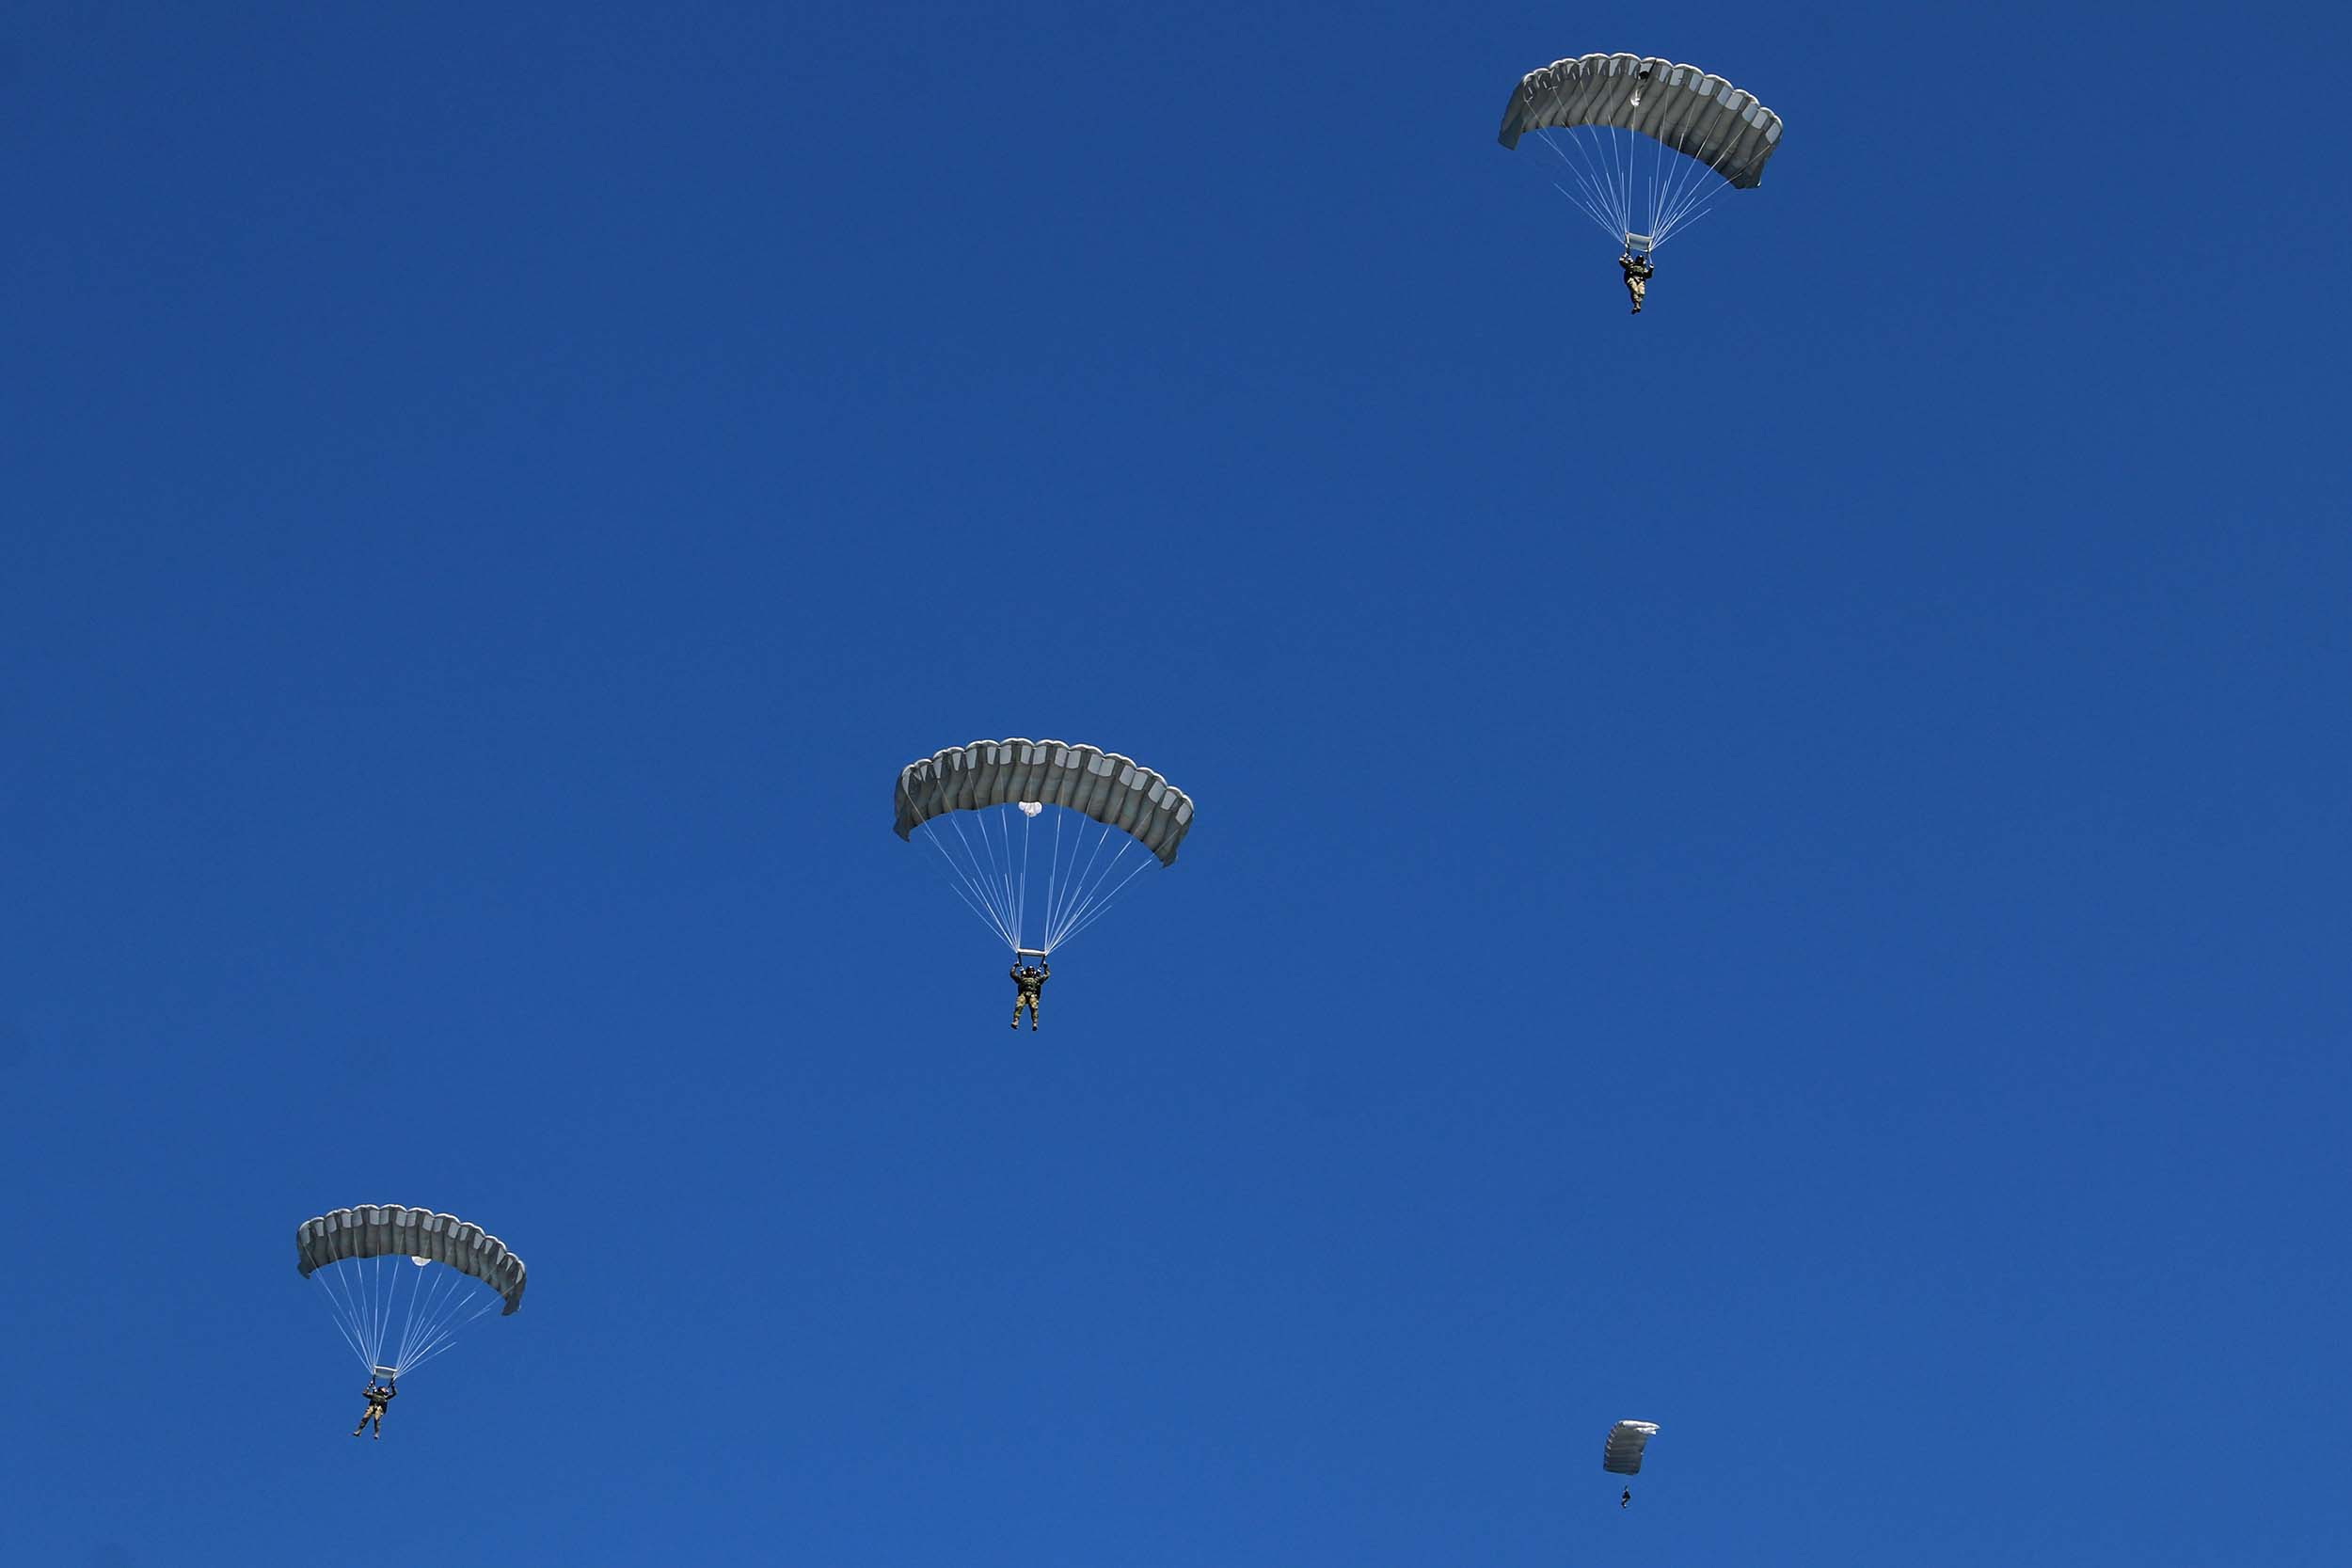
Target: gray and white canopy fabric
{"points": [[1621, 1453], [1699, 116], [392, 1231]]}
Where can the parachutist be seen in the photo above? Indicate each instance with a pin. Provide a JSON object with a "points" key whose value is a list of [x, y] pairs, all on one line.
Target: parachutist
{"points": [[1637, 276], [378, 1396], [1625, 1497], [1031, 979]]}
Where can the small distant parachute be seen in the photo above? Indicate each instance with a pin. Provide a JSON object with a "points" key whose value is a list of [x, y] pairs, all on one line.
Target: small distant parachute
{"points": [[1621, 1453], [396, 1318], [1642, 140], [1078, 822]]}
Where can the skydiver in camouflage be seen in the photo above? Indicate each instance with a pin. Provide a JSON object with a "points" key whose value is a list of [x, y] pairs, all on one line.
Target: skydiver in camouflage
{"points": [[378, 1396], [1637, 276], [1031, 979], [1625, 1499]]}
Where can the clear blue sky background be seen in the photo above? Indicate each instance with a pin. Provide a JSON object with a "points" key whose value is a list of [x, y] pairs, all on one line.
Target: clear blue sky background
{"points": [[1777, 868]]}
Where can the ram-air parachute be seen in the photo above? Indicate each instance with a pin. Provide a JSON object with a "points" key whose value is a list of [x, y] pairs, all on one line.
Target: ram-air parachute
{"points": [[1040, 836], [1621, 1450], [401, 1282], [1645, 145]]}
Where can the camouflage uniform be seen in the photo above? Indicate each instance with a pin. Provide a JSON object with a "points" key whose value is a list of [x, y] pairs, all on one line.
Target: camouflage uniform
{"points": [[1032, 982], [1637, 276], [378, 1396]]}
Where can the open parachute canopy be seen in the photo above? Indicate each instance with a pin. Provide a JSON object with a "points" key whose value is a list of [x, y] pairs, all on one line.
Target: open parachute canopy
{"points": [[401, 1282], [984, 807], [1621, 1451], [1598, 113]]}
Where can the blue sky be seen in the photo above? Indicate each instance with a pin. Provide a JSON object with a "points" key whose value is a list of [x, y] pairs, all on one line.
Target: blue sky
{"points": [[1776, 868]]}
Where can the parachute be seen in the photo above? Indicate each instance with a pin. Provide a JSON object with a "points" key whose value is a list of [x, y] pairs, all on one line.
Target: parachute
{"points": [[453, 1271], [982, 805], [1594, 111], [1621, 1451]]}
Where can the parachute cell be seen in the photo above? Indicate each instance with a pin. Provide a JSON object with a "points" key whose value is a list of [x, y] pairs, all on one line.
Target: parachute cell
{"points": [[1621, 1453]]}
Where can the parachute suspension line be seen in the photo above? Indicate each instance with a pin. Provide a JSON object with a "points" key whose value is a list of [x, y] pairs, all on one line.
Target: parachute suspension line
{"points": [[970, 901], [1606, 167], [1016, 872], [1068, 887], [1693, 193], [1102, 903], [975, 889], [419, 1320], [1069, 893], [442, 1340], [1007, 878], [1587, 195], [1628, 173], [1075, 895], [392, 1312], [361, 1306], [1656, 186], [1597, 189], [407, 1324], [994, 878], [365, 1301], [1685, 221], [1021, 911], [1052, 883], [346, 1319], [433, 1326], [1092, 892], [1010, 877], [380, 1294], [368, 1276]]}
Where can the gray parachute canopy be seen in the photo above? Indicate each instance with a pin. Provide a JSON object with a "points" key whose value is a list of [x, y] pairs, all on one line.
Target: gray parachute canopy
{"points": [[390, 1230], [1113, 790], [1681, 107], [1621, 1454]]}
